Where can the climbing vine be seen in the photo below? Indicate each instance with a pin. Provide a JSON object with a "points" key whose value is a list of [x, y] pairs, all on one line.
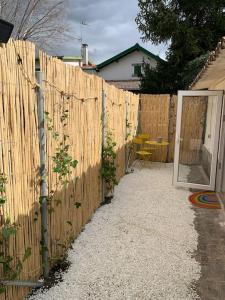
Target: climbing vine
{"points": [[11, 265], [128, 126], [108, 170], [63, 164]]}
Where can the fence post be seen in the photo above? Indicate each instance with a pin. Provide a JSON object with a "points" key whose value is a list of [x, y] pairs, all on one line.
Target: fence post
{"points": [[138, 129], [43, 193], [126, 134], [103, 134]]}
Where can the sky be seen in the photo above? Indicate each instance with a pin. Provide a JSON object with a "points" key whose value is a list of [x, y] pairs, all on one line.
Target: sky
{"points": [[110, 28]]}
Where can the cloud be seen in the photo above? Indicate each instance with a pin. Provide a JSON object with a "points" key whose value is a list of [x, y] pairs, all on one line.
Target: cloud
{"points": [[110, 28]]}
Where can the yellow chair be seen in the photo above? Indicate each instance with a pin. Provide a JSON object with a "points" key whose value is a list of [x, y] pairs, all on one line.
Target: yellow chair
{"points": [[143, 154], [143, 136]]}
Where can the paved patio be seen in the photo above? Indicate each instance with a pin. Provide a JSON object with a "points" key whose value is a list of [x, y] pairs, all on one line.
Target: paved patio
{"points": [[141, 246]]}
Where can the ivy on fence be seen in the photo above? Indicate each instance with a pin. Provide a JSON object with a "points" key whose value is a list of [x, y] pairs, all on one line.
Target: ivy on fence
{"points": [[11, 265]]}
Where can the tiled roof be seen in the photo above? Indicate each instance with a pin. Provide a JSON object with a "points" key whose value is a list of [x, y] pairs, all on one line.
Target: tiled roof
{"points": [[130, 85], [213, 70]]}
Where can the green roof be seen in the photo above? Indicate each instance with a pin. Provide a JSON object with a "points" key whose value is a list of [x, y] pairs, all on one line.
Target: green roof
{"points": [[136, 47]]}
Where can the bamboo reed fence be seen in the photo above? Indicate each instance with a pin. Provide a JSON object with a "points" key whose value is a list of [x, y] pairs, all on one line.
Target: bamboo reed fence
{"points": [[192, 129], [154, 120], [158, 119], [19, 156], [65, 87]]}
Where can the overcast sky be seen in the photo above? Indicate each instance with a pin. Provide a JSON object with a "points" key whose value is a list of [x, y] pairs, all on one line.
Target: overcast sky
{"points": [[111, 28]]}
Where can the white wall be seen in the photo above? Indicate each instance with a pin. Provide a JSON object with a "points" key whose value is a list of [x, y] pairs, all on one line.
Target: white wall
{"points": [[73, 63], [123, 69]]}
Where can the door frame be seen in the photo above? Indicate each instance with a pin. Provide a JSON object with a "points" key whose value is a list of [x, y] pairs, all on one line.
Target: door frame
{"points": [[220, 176], [213, 174]]}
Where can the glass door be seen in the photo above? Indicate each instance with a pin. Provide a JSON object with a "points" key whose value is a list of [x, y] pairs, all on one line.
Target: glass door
{"points": [[197, 139]]}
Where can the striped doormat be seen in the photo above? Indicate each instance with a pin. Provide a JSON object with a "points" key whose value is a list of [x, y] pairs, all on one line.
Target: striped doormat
{"points": [[205, 199]]}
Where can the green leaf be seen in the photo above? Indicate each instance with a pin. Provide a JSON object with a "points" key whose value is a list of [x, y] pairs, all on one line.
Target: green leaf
{"points": [[27, 254], [2, 200], [8, 231], [51, 210], [77, 204], [74, 163], [69, 223]]}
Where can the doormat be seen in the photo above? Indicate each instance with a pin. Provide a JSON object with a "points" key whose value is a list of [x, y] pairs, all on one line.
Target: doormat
{"points": [[205, 200]]}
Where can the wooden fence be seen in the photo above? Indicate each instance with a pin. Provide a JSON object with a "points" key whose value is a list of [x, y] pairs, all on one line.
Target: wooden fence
{"points": [[66, 90], [154, 120], [78, 97], [157, 116]]}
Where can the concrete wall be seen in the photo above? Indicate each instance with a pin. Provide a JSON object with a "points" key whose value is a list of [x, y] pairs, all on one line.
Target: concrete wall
{"points": [[123, 69]]}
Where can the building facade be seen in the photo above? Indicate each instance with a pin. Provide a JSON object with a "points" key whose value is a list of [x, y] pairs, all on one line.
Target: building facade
{"points": [[125, 69]]}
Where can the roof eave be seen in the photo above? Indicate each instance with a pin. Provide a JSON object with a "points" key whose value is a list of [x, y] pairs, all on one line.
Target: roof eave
{"points": [[136, 47]]}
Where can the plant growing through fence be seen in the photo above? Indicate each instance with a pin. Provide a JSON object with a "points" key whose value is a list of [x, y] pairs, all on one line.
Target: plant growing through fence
{"points": [[11, 265], [63, 163], [108, 170], [128, 129]]}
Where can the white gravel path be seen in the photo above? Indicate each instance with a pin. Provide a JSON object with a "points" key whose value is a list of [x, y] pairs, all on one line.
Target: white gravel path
{"points": [[138, 247]]}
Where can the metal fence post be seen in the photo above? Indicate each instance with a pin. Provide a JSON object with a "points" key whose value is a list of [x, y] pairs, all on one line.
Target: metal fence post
{"points": [[103, 134], [126, 134], [43, 192], [138, 129]]}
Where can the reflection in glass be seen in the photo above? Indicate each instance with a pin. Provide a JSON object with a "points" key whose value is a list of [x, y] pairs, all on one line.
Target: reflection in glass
{"points": [[198, 124]]}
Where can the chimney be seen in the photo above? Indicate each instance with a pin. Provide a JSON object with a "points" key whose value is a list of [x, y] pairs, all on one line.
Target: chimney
{"points": [[84, 54]]}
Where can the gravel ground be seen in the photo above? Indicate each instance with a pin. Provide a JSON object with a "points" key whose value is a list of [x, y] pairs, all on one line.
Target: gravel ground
{"points": [[138, 247]]}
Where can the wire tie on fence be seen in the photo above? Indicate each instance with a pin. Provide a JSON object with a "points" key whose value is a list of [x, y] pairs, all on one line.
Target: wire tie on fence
{"points": [[19, 59]]}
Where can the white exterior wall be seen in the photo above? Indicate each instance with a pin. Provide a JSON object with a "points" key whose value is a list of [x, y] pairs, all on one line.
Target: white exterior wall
{"points": [[73, 63], [123, 69]]}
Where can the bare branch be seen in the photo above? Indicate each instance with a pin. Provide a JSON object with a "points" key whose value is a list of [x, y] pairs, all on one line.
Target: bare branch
{"points": [[41, 21]]}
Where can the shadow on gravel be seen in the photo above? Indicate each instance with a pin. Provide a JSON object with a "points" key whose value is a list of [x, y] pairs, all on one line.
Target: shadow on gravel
{"points": [[210, 253]]}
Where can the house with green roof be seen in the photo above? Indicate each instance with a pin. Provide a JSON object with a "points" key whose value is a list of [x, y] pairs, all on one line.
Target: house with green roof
{"points": [[124, 69]]}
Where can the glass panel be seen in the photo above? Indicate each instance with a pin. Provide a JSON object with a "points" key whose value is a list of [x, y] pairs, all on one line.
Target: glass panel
{"points": [[198, 125], [137, 70]]}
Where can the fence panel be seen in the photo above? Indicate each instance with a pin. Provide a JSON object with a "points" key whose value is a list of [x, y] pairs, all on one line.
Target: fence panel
{"points": [[19, 158], [69, 89], [158, 119], [73, 106], [154, 120], [82, 102]]}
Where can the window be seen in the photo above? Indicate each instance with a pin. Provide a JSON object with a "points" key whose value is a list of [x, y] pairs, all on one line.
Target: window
{"points": [[137, 71]]}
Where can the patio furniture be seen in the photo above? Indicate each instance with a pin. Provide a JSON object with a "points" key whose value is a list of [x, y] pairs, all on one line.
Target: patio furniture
{"points": [[143, 136], [156, 144], [142, 153]]}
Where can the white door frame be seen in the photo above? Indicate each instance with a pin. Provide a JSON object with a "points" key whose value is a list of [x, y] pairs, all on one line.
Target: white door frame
{"points": [[212, 184], [220, 176]]}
